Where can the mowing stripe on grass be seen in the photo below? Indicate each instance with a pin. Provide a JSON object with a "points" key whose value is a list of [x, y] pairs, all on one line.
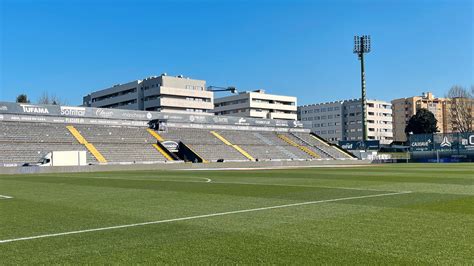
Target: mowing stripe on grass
{"points": [[5, 197], [197, 217], [278, 167], [208, 180], [289, 185]]}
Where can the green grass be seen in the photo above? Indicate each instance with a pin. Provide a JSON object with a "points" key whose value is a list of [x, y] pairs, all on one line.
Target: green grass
{"points": [[432, 225]]}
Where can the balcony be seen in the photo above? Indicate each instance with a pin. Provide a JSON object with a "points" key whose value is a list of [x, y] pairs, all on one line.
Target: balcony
{"points": [[183, 103], [271, 106], [283, 116]]}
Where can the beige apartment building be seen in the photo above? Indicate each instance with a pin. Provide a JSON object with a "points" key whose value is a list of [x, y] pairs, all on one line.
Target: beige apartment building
{"points": [[177, 94], [405, 108], [257, 104]]}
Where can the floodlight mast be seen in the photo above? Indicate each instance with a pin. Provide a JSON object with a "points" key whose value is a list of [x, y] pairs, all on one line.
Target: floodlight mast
{"points": [[361, 47]]}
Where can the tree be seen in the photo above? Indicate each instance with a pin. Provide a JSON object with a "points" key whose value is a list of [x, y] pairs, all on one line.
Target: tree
{"points": [[22, 98], [423, 122], [45, 98], [461, 108]]}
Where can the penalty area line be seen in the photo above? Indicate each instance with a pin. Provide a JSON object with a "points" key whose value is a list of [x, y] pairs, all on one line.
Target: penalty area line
{"points": [[198, 217]]}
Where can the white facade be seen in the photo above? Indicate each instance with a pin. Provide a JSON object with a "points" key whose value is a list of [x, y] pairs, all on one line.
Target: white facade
{"points": [[163, 93], [257, 104], [326, 119], [342, 120]]}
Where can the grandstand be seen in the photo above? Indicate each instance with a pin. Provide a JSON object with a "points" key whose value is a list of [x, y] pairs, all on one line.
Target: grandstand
{"points": [[23, 142], [110, 139]]}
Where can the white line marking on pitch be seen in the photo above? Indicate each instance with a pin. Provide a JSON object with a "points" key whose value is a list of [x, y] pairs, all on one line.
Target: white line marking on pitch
{"points": [[198, 217], [5, 197], [155, 178]]}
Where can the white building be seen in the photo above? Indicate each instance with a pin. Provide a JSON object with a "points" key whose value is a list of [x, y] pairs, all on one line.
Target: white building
{"points": [[163, 93], [257, 104], [342, 120]]}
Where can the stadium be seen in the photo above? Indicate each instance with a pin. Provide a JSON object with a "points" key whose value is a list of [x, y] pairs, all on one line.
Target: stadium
{"points": [[92, 185], [236, 132], [126, 137]]}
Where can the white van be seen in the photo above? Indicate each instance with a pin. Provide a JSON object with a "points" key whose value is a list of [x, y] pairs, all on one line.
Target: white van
{"points": [[63, 158]]}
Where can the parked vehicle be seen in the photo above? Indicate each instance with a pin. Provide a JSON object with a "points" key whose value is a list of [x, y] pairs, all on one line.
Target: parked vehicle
{"points": [[63, 158]]}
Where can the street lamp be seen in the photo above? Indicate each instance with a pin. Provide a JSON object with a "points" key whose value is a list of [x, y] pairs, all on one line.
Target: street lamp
{"points": [[361, 47], [217, 89]]}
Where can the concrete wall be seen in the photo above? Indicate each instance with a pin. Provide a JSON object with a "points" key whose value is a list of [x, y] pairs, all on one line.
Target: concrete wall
{"points": [[178, 166]]}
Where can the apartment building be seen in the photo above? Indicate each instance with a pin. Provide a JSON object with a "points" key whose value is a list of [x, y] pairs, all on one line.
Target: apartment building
{"points": [[405, 108], [342, 120], [163, 93], [257, 104]]}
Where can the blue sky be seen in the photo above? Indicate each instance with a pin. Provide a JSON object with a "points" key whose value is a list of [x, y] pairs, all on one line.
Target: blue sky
{"points": [[301, 48]]}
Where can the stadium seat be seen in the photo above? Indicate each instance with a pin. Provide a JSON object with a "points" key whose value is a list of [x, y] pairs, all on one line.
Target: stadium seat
{"points": [[27, 142]]}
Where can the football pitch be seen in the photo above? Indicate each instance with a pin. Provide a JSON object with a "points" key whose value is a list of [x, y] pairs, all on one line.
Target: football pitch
{"points": [[401, 214]]}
